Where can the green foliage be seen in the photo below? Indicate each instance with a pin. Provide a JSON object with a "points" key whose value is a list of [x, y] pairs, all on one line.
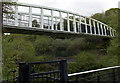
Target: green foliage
{"points": [[85, 61], [77, 45], [108, 61], [16, 50], [98, 16], [89, 61], [110, 17], [43, 45]]}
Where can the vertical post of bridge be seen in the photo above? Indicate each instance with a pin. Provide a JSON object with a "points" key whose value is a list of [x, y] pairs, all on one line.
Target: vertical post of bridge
{"points": [[80, 30], [52, 24], [16, 15], [86, 25], [41, 18], [20, 17], [74, 23], [102, 28], [98, 28], [114, 32], [68, 22], [90, 25], [48, 22], [61, 27], [55, 23], [94, 27], [110, 31], [30, 16], [105, 30], [78, 26]]}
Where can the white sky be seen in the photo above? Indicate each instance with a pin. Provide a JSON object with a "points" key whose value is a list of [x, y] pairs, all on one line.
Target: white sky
{"points": [[83, 7]]}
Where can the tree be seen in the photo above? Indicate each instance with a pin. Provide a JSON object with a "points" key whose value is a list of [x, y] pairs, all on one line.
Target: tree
{"points": [[110, 17], [8, 9], [42, 45]]}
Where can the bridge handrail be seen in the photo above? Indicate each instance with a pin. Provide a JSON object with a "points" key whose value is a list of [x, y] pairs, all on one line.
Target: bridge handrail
{"points": [[92, 71], [92, 22], [55, 9]]}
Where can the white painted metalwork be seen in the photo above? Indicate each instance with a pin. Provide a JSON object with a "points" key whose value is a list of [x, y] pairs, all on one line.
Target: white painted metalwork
{"points": [[105, 30], [98, 28], [86, 26], [68, 23], [52, 25], [92, 71], [110, 31], [80, 24], [30, 16], [16, 15], [101, 28], [56, 23], [94, 27], [74, 23], [90, 26], [42, 18], [61, 27]]}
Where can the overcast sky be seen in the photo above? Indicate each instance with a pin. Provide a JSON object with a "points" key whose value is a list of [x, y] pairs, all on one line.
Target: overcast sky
{"points": [[83, 7]]}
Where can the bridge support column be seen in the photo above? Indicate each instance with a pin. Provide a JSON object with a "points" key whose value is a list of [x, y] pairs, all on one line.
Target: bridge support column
{"points": [[1, 23]]}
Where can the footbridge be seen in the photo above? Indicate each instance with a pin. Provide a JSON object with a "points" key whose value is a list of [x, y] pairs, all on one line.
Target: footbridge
{"points": [[35, 19]]}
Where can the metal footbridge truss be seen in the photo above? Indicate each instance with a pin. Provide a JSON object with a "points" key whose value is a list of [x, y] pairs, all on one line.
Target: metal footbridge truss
{"points": [[40, 19]]}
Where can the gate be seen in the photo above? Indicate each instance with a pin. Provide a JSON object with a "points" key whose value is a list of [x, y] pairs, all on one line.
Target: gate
{"points": [[43, 72]]}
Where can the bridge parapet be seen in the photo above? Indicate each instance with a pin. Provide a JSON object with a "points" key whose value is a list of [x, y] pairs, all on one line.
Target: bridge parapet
{"points": [[55, 20]]}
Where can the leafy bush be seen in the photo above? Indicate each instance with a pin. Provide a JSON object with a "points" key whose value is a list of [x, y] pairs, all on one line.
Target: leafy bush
{"points": [[42, 45], [88, 61]]}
